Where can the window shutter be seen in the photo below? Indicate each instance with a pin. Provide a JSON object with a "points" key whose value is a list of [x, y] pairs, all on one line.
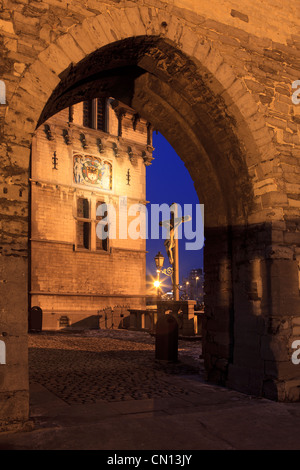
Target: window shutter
{"points": [[88, 113], [101, 114]]}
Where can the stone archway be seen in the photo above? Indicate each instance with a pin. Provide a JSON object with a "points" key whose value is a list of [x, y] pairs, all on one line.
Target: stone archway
{"points": [[178, 80]]}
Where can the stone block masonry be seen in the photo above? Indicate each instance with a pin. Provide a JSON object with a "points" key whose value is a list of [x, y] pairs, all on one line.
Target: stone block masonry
{"points": [[74, 275], [215, 78]]}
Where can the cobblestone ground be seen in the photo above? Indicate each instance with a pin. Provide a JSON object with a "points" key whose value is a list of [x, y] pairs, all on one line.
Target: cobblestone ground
{"points": [[110, 365]]}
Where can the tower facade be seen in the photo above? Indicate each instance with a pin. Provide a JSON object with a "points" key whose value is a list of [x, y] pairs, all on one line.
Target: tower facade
{"points": [[87, 187]]}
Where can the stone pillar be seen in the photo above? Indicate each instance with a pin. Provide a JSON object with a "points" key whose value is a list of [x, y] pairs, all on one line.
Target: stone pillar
{"points": [[133, 319], [266, 312], [252, 311], [14, 384], [246, 368], [217, 323], [188, 326], [280, 305]]}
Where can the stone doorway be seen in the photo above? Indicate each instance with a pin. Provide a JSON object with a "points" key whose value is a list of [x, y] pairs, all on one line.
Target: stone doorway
{"points": [[184, 86], [159, 81]]}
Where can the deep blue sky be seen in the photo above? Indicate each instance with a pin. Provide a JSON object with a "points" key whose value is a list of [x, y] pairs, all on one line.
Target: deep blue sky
{"points": [[168, 181]]}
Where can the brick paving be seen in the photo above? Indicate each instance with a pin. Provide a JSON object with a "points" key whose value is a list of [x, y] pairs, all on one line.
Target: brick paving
{"points": [[110, 365]]}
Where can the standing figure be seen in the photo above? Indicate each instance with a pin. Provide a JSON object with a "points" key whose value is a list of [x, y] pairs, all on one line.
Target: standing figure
{"points": [[77, 170]]}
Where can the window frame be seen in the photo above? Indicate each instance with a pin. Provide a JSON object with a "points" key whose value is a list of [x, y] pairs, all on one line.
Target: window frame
{"points": [[93, 221], [85, 220], [91, 110]]}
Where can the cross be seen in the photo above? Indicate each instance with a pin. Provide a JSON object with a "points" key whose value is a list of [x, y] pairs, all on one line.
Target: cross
{"points": [[54, 161], [171, 245], [128, 177]]}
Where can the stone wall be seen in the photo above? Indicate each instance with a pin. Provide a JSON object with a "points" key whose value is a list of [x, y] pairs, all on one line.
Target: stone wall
{"points": [[215, 78], [68, 280]]}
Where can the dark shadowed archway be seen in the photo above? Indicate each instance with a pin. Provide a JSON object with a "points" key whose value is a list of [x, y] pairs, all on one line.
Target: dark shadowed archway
{"points": [[185, 88], [159, 82]]}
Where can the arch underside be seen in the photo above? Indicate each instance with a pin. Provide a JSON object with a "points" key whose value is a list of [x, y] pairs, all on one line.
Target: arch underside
{"points": [[199, 111], [165, 87], [168, 89]]}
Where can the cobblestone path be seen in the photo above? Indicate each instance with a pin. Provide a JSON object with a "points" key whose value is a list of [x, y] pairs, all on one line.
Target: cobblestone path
{"points": [[110, 365]]}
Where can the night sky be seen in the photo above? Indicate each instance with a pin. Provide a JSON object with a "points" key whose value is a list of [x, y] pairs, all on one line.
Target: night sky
{"points": [[169, 181]]}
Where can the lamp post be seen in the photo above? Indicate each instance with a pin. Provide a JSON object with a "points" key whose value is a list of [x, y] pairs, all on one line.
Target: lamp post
{"points": [[186, 287], [197, 278], [159, 262]]}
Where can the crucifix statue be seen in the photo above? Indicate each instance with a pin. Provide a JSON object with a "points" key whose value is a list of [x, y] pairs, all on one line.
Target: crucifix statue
{"points": [[171, 245]]}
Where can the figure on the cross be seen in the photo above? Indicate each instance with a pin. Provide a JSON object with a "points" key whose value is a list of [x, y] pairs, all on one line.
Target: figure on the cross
{"points": [[171, 245], [171, 226]]}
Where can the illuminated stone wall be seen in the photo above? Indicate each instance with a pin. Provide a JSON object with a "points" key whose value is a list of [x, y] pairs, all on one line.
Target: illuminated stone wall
{"points": [[67, 279]]}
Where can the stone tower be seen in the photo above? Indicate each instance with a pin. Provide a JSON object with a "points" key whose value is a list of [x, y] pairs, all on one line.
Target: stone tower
{"points": [[89, 155]]}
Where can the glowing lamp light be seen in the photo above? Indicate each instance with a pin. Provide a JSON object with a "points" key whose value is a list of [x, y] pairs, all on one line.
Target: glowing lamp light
{"points": [[159, 260], [156, 284]]}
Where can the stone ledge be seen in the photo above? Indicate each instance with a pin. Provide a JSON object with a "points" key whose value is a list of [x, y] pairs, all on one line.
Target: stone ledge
{"points": [[16, 426]]}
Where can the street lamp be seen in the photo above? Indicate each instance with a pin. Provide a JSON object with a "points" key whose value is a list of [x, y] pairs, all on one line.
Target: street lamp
{"points": [[186, 288], [159, 262], [197, 278]]}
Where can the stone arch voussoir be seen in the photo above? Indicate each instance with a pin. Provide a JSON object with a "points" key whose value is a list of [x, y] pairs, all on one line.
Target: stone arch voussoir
{"points": [[115, 24]]}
